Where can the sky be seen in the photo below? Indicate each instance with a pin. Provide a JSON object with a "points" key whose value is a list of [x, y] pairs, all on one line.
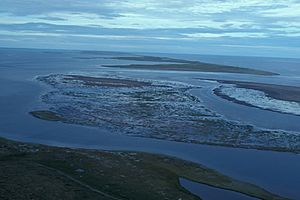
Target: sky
{"points": [[219, 27]]}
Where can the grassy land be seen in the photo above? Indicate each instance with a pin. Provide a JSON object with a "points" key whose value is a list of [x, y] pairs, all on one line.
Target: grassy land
{"points": [[29, 171]]}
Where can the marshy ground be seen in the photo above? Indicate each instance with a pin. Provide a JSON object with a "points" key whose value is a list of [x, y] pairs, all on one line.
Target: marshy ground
{"points": [[154, 109]]}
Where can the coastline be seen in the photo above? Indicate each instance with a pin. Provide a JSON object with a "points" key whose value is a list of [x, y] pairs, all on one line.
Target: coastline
{"points": [[98, 173], [277, 92]]}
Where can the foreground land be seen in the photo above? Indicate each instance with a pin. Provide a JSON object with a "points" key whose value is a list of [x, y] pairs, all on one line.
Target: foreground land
{"points": [[29, 171], [185, 65]]}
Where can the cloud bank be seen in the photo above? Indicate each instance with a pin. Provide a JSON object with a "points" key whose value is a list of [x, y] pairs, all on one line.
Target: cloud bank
{"points": [[270, 27]]}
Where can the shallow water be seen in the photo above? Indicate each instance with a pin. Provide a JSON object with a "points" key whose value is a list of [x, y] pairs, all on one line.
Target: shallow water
{"points": [[20, 94], [210, 193]]}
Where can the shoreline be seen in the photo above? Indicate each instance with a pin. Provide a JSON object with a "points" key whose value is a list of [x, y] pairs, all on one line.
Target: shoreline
{"points": [[278, 92], [86, 166], [219, 93]]}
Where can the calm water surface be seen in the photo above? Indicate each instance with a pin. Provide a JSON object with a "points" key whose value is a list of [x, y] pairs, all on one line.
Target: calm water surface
{"points": [[20, 94]]}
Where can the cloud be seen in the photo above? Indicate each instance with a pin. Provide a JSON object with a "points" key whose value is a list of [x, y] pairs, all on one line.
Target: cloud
{"points": [[285, 11], [232, 35], [37, 7], [173, 23], [49, 18]]}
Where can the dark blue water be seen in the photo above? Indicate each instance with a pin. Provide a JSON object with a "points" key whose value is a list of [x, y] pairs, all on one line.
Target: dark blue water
{"points": [[20, 94], [210, 193]]}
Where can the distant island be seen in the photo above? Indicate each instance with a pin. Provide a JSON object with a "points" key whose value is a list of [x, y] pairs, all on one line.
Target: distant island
{"points": [[165, 63]]}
